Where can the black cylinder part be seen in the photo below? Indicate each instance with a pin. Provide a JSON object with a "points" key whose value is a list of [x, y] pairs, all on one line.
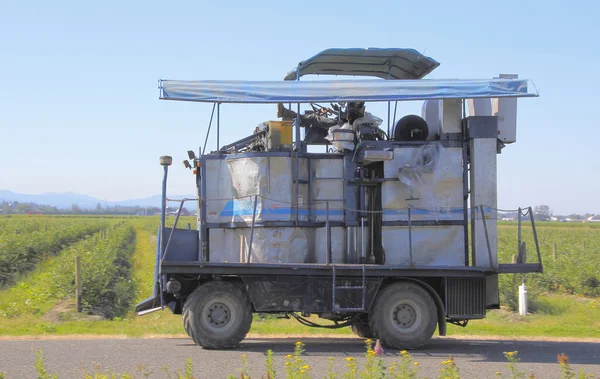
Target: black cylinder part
{"points": [[411, 128]]}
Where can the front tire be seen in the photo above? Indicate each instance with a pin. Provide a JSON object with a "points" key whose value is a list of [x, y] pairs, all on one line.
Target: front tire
{"points": [[217, 315], [403, 316]]}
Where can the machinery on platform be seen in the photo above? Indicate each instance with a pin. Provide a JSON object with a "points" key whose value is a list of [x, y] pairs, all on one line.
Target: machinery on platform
{"points": [[391, 231]]}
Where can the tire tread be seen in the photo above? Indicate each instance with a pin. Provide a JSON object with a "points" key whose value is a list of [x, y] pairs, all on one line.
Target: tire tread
{"points": [[192, 327], [377, 324]]}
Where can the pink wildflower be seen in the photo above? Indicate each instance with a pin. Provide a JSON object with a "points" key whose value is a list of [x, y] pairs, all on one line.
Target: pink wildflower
{"points": [[378, 349]]}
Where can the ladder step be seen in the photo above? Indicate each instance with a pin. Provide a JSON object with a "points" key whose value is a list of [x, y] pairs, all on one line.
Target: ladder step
{"points": [[362, 288]]}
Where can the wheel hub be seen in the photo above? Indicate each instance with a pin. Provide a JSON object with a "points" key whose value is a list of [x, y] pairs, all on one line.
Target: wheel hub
{"points": [[219, 314], [405, 316]]}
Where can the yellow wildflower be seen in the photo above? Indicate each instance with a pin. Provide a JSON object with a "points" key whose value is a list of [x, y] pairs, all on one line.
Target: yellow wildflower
{"points": [[369, 341], [416, 363], [298, 343], [349, 359], [289, 356], [306, 367]]}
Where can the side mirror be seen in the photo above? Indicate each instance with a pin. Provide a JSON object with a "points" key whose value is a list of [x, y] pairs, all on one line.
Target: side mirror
{"points": [[187, 164], [191, 154]]}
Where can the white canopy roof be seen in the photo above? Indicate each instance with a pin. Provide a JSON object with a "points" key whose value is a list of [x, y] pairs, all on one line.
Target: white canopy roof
{"points": [[340, 90]]}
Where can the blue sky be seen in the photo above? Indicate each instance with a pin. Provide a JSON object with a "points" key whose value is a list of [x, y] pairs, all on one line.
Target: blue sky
{"points": [[79, 108]]}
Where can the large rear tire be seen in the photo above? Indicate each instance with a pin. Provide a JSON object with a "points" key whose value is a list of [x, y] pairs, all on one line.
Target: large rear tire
{"points": [[404, 316], [217, 315]]}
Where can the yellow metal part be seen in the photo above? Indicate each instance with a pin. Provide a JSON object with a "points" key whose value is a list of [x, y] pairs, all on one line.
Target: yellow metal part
{"points": [[280, 134]]}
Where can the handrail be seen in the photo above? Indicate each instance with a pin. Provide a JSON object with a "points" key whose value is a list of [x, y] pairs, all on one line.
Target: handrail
{"points": [[410, 210], [410, 252], [487, 238], [181, 201], [537, 244], [519, 236], [328, 258], [252, 230]]}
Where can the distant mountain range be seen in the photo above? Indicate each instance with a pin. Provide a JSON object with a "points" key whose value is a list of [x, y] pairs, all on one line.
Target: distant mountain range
{"points": [[67, 199]]}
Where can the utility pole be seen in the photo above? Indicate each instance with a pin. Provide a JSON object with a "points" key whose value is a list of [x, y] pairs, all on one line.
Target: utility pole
{"points": [[78, 282]]}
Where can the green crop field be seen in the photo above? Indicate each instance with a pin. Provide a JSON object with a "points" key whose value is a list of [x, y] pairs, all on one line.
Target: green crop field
{"points": [[25, 241], [574, 269], [118, 255]]}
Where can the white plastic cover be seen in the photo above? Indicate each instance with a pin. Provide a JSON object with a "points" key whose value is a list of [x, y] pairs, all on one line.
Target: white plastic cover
{"points": [[430, 181], [431, 245], [339, 90], [341, 137], [345, 141], [269, 245], [423, 161], [235, 181], [367, 120]]}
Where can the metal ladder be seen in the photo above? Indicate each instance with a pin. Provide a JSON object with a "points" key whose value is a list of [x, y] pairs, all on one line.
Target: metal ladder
{"points": [[363, 288]]}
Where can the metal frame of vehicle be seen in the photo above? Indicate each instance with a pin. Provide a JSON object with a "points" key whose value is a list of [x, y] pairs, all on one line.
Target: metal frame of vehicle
{"points": [[345, 292]]}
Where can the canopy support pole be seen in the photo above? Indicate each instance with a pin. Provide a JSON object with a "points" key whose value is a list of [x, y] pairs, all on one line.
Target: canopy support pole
{"points": [[208, 132], [394, 119], [218, 123], [389, 103]]}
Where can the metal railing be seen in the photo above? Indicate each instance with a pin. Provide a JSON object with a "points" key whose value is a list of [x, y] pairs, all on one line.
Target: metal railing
{"points": [[520, 214], [476, 211], [181, 203]]}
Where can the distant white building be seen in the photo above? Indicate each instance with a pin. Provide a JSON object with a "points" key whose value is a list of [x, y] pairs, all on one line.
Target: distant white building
{"points": [[595, 218]]}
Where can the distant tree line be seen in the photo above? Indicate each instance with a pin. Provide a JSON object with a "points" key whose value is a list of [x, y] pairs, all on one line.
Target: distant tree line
{"points": [[544, 213], [15, 207]]}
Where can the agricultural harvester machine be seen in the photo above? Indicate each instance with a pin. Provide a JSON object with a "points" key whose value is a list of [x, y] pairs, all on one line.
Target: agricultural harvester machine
{"points": [[390, 231]]}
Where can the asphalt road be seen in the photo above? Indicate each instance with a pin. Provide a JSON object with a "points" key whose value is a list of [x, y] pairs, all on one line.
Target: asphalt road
{"points": [[475, 358]]}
